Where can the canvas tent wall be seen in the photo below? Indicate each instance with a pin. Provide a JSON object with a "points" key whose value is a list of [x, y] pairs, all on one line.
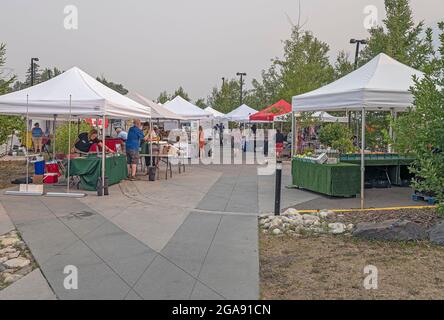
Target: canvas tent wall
{"points": [[241, 114], [383, 84]]}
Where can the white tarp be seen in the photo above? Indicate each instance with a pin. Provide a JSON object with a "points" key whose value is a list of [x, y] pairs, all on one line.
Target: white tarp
{"points": [[157, 111], [241, 114], [216, 114], [381, 84], [186, 109], [75, 92]]}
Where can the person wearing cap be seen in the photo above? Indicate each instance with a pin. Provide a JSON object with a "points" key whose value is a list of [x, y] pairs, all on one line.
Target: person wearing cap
{"points": [[37, 138]]}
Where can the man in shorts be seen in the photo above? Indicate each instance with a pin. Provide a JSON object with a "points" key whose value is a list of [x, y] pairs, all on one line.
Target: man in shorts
{"points": [[135, 136]]}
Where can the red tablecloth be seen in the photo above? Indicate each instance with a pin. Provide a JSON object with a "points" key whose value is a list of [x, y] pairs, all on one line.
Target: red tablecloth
{"points": [[110, 143]]}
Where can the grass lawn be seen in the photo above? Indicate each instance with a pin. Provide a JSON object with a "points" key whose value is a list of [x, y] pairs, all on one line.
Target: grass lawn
{"points": [[11, 170], [332, 267]]}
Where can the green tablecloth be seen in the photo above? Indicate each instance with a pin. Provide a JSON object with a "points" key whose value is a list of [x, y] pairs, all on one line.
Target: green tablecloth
{"points": [[89, 170], [338, 180]]}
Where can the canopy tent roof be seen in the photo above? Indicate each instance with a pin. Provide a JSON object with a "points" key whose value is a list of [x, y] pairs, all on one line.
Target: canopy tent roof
{"points": [[186, 109], [216, 114], [157, 111], [72, 92], [381, 84], [321, 115], [269, 113], [241, 114]]}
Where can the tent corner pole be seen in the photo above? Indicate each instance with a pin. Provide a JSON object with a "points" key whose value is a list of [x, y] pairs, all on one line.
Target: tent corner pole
{"points": [[363, 159], [103, 155]]}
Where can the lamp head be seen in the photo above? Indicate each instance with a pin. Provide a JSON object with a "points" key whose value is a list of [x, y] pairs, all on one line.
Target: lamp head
{"points": [[353, 41]]}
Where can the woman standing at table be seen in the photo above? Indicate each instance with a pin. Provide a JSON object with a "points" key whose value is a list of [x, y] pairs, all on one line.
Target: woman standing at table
{"points": [[150, 137], [201, 142]]}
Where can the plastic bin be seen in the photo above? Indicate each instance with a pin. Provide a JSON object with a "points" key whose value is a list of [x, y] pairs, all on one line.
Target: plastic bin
{"points": [[39, 168]]}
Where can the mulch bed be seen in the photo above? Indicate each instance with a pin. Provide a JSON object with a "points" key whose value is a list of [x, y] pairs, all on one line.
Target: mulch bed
{"points": [[424, 217], [11, 170]]}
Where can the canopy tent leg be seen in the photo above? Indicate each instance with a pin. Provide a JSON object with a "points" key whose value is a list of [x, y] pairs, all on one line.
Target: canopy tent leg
{"points": [[54, 138], [363, 160], [293, 135], [103, 155]]}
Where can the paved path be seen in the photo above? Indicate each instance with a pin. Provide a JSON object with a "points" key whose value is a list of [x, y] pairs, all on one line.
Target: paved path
{"points": [[150, 241]]}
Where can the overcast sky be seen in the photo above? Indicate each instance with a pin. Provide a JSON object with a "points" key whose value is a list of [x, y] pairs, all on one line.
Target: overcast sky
{"points": [[157, 45]]}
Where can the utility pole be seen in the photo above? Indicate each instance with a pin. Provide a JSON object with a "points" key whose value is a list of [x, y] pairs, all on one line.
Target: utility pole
{"points": [[241, 75], [33, 70]]}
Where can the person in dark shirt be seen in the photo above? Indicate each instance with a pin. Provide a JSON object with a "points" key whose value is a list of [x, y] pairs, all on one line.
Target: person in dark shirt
{"points": [[280, 138], [135, 136], [86, 140]]}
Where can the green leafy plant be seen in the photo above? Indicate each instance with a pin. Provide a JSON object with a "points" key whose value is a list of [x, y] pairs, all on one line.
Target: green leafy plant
{"points": [[337, 136], [421, 131], [63, 134]]}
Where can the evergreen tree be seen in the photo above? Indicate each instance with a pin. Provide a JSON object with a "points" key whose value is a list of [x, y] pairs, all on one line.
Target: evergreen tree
{"points": [[400, 38], [421, 131], [115, 86]]}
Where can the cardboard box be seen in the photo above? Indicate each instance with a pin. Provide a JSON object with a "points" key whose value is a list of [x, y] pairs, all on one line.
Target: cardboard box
{"points": [[37, 179]]}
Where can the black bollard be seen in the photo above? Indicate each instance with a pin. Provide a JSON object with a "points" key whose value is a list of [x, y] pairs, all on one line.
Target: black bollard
{"points": [[277, 197]]}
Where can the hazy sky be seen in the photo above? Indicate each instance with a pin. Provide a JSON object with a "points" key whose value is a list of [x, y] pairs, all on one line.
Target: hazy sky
{"points": [[155, 45]]}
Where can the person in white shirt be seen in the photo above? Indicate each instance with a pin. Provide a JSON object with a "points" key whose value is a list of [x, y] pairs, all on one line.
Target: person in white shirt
{"points": [[121, 134]]}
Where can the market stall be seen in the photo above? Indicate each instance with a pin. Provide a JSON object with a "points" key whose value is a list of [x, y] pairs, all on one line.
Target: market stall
{"points": [[271, 112], [88, 169], [336, 180], [72, 95], [383, 84], [241, 114]]}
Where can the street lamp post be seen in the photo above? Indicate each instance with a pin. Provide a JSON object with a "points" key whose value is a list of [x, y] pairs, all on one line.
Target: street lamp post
{"points": [[32, 70], [358, 44], [241, 75]]}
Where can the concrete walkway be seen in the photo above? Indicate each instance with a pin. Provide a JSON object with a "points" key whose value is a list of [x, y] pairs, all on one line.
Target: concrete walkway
{"points": [[156, 240]]}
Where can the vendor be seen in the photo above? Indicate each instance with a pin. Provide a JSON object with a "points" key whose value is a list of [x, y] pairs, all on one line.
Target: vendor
{"points": [[150, 136], [86, 140], [37, 138]]}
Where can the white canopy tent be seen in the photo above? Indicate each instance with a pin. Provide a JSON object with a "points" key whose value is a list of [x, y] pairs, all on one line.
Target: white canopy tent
{"points": [[383, 84], [73, 94], [186, 109], [157, 111], [216, 114], [241, 114]]}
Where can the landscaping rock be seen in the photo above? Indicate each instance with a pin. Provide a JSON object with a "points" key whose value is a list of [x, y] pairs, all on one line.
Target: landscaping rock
{"points": [[10, 278], [291, 212], [325, 214], [17, 263], [7, 250], [277, 232], [14, 255], [9, 241], [391, 230], [436, 234], [337, 228]]}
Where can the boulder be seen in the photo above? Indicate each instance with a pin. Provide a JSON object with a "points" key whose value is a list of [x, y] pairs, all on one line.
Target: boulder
{"points": [[337, 228], [277, 232], [436, 234], [391, 230], [17, 263], [291, 212]]}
